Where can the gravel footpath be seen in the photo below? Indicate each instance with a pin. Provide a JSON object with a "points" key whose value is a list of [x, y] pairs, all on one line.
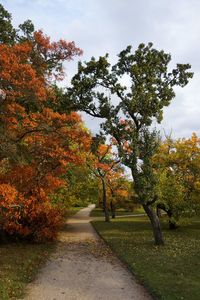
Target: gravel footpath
{"points": [[83, 268]]}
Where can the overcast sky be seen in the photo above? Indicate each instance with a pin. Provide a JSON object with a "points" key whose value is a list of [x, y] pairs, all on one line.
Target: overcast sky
{"points": [[100, 26]]}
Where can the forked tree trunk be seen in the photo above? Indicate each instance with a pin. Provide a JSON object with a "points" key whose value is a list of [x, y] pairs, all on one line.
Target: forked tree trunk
{"points": [[155, 223], [158, 212], [172, 223], [105, 205]]}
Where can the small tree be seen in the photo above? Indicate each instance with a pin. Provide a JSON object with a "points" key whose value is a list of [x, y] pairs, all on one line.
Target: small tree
{"points": [[102, 162], [119, 186], [177, 167], [128, 118]]}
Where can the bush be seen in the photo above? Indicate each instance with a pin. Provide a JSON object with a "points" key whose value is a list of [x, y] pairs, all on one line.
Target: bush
{"points": [[31, 218]]}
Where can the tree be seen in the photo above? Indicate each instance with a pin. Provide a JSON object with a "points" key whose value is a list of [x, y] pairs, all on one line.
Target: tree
{"points": [[119, 186], [37, 143], [7, 32], [177, 166], [102, 162], [129, 117], [80, 187]]}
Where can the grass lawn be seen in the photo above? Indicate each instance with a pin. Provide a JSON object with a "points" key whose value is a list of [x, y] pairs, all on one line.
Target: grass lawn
{"points": [[20, 262], [72, 211], [98, 212], [169, 272]]}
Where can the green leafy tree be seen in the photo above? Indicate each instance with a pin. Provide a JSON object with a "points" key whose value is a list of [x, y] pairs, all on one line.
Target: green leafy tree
{"points": [[140, 86], [177, 167], [7, 32], [80, 188], [170, 192]]}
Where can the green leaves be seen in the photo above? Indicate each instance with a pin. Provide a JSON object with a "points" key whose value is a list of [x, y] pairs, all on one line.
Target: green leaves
{"points": [[7, 32], [149, 84], [129, 96]]}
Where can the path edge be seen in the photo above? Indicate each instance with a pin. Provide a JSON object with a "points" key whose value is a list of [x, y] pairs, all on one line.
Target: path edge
{"points": [[126, 266]]}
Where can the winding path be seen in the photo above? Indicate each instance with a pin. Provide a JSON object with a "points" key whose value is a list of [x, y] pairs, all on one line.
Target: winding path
{"points": [[83, 268]]}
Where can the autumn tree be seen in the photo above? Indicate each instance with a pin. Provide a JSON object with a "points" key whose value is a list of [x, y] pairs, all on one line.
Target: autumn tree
{"points": [[120, 193], [177, 167], [38, 143], [140, 86], [103, 162]]}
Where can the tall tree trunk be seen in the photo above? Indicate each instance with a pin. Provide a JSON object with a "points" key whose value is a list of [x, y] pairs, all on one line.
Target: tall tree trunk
{"points": [[112, 205], [112, 208], [105, 205], [155, 223]]}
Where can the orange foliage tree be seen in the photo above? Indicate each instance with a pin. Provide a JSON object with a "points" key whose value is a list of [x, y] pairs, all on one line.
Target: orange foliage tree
{"points": [[120, 190], [104, 163], [37, 142]]}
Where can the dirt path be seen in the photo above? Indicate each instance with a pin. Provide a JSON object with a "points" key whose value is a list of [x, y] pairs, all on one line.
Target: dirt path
{"points": [[83, 268]]}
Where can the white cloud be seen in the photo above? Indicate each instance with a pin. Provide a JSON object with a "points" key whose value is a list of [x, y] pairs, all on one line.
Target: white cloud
{"points": [[102, 26]]}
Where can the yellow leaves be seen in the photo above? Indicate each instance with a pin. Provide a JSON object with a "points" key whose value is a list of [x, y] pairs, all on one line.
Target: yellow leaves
{"points": [[122, 193], [197, 185], [177, 168]]}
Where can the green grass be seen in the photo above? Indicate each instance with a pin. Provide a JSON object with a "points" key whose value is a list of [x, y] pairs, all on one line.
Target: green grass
{"points": [[169, 272], [72, 211], [19, 263], [98, 212]]}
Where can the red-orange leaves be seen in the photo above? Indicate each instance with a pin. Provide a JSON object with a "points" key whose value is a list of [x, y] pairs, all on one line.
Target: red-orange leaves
{"points": [[50, 142], [7, 194], [27, 217], [37, 143], [48, 56], [18, 77]]}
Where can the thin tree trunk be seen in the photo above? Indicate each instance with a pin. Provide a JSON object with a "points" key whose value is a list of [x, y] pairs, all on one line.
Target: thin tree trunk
{"points": [[105, 205], [155, 223], [112, 208]]}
